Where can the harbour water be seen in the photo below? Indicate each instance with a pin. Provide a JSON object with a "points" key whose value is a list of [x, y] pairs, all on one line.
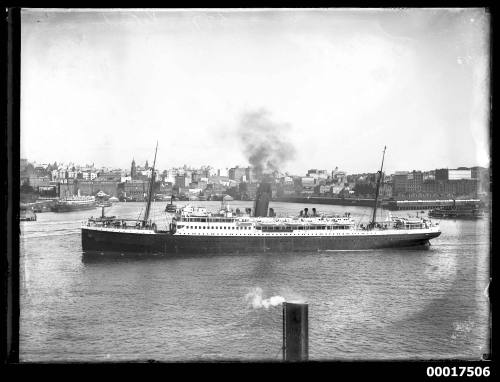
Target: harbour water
{"points": [[363, 305]]}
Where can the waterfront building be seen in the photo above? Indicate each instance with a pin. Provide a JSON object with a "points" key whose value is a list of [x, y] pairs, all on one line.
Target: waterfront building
{"points": [[136, 189], [459, 174], [181, 181], [110, 176], [400, 180], [386, 189], [36, 181], [414, 182], [92, 187], [66, 188], [428, 175]]}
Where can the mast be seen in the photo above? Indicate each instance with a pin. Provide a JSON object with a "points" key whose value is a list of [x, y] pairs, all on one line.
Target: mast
{"points": [[377, 189], [150, 192]]}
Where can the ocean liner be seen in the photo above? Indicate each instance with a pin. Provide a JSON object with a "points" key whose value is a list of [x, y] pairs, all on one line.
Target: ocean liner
{"points": [[75, 203], [196, 230]]}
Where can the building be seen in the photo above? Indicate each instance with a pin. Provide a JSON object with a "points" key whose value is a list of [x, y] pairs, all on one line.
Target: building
{"points": [[66, 188], [339, 177], [385, 191], [38, 181], [399, 182], [181, 181], [23, 164], [250, 174], [307, 181], [133, 170], [109, 176], [441, 174], [92, 187], [136, 189], [237, 173], [459, 174], [414, 183], [324, 189], [317, 174], [89, 175]]}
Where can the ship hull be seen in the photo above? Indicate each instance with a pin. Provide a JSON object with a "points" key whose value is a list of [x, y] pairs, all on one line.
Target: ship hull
{"points": [[69, 208], [166, 243]]}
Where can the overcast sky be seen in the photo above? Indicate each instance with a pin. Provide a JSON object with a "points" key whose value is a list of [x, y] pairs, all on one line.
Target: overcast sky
{"points": [[337, 85]]}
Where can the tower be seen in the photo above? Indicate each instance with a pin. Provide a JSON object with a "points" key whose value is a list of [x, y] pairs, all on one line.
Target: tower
{"points": [[133, 170]]}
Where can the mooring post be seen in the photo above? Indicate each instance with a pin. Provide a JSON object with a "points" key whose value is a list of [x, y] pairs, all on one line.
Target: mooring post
{"points": [[295, 332]]}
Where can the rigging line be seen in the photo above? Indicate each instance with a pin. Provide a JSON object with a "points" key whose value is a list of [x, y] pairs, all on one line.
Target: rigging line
{"points": [[140, 213], [361, 218]]}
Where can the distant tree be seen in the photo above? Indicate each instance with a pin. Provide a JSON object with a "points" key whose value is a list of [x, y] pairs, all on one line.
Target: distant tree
{"points": [[30, 169]]}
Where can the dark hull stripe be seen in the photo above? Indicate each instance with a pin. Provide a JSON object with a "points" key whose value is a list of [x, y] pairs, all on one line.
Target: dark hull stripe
{"points": [[166, 243], [73, 208]]}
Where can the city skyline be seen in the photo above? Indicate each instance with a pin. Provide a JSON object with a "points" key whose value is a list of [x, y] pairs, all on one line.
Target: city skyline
{"points": [[141, 165], [103, 86]]}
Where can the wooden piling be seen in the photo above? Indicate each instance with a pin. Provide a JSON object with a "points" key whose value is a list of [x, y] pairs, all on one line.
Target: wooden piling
{"points": [[295, 332]]}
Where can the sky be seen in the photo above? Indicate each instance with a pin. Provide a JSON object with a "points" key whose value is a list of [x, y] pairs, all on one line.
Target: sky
{"points": [[336, 85]]}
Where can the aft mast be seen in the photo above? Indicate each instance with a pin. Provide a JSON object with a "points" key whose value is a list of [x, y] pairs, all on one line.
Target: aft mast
{"points": [[377, 189], [151, 184]]}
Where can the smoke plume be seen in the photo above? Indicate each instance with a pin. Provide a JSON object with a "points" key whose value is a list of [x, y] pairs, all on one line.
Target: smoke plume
{"points": [[255, 300], [265, 142]]}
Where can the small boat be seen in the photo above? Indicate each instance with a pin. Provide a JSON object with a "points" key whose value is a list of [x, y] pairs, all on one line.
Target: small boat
{"points": [[104, 203], [27, 215], [171, 207]]}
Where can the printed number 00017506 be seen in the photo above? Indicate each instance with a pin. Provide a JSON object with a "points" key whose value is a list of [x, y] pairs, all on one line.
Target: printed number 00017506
{"points": [[460, 371]]}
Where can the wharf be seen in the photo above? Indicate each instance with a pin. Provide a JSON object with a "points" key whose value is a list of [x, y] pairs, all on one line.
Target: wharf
{"points": [[332, 201], [398, 205], [40, 205]]}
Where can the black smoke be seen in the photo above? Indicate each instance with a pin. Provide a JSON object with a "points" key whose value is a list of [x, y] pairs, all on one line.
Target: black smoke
{"points": [[265, 142]]}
